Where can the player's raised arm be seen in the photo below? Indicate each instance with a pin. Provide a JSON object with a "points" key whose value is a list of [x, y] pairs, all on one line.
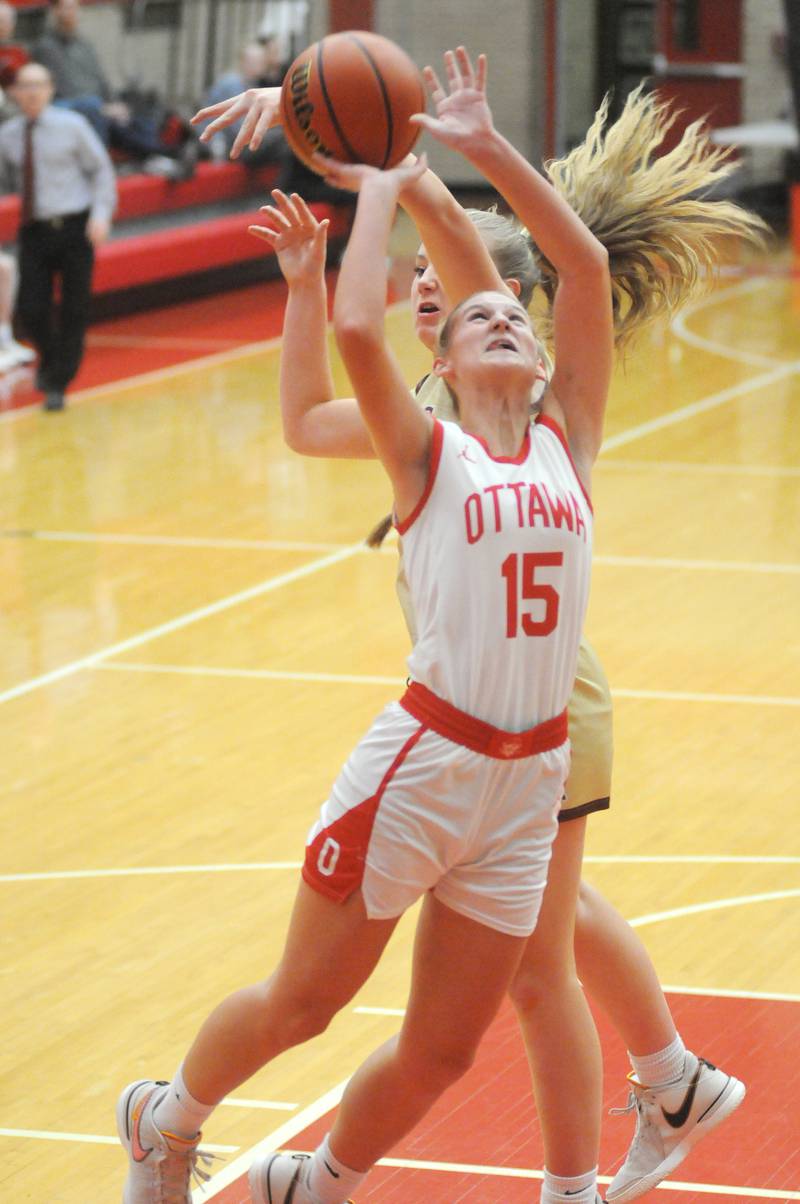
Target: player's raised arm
{"points": [[583, 321], [315, 421], [400, 431], [452, 243]]}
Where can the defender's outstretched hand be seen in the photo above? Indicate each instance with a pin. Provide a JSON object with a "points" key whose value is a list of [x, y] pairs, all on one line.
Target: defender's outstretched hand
{"points": [[260, 108], [462, 112], [298, 239]]}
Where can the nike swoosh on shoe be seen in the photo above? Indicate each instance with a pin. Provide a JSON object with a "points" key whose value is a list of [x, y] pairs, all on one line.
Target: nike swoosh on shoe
{"points": [[138, 1151], [679, 1118]]}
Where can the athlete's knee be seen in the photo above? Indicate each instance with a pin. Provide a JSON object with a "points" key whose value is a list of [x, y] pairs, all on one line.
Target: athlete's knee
{"points": [[586, 915], [436, 1065], [539, 980], [305, 1009], [529, 989]]}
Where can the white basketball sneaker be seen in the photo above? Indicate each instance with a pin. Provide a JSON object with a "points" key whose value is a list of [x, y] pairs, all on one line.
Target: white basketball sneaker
{"points": [[21, 353], [161, 1164], [669, 1122], [280, 1179]]}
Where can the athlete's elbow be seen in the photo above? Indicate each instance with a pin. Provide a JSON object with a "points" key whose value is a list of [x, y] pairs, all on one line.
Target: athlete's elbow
{"points": [[597, 261], [295, 439], [357, 334], [592, 265]]}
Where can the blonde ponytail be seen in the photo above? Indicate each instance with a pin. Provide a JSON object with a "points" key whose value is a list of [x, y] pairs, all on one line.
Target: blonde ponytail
{"points": [[662, 237]]}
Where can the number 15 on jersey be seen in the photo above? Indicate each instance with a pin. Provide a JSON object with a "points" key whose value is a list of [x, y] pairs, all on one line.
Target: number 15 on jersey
{"points": [[519, 572]]}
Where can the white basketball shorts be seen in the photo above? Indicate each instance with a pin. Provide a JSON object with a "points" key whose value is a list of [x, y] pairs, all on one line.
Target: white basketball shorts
{"points": [[413, 811]]}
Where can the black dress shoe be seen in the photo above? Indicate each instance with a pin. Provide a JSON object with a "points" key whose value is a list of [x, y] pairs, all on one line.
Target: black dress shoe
{"points": [[54, 400]]}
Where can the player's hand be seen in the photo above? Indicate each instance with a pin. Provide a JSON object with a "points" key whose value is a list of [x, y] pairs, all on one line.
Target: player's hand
{"points": [[260, 108], [97, 230], [353, 177], [462, 111], [298, 239]]}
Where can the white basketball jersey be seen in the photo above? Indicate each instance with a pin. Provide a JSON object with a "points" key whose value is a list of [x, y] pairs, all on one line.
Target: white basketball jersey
{"points": [[497, 556]]}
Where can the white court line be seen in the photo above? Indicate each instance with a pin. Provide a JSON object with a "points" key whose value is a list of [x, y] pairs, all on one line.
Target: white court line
{"points": [[192, 616], [687, 467], [758, 700], [154, 377], [137, 871], [270, 1104], [738, 354], [741, 1194], [331, 1098], [618, 440], [711, 566], [687, 859], [279, 545], [275, 1141], [171, 541], [368, 1011], [355, 679], [345, 679], [94, 1139], [709, 1189], [674, 417], [158, 375], [281, 1137], [710, 992], [495, 1172], [515, 1172], [728, 993], [694, 909]]}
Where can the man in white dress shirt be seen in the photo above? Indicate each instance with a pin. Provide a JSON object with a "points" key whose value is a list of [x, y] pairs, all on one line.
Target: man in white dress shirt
{"points": [[68, 194]]}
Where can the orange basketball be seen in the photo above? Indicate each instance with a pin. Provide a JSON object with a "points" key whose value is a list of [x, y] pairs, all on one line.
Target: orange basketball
{"points": [[350, 95]]}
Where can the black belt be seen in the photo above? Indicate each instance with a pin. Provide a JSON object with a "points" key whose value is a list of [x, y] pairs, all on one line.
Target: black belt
{"points": [[59, 221]]}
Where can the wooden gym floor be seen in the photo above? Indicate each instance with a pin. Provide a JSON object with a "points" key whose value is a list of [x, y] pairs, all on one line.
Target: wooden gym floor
{"points": [[193, 637]]}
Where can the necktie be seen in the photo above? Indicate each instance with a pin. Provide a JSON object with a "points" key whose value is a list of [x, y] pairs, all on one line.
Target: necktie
{"points": [[28, 209]]}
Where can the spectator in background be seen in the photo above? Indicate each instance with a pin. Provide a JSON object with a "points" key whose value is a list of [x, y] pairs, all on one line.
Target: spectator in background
{"points": [[12, 54], [81, 84], [275, 64], [68, 194], [257, 67], [287, 22]]}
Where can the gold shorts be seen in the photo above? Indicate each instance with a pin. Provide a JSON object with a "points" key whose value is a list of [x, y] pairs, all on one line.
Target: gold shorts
{"points": [[588, 786]]}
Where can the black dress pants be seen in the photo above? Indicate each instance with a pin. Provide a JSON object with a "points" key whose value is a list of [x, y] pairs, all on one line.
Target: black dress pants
{"points": [[51, 252]]}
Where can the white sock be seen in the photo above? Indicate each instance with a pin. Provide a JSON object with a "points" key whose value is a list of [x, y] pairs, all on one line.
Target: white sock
{"points": [[580, 1189], [329, 1181], [5, 334], [178, 1112], [662, 1068]]}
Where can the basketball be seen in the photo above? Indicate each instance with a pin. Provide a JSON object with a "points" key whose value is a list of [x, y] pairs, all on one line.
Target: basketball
{"points": [[350, 96]]}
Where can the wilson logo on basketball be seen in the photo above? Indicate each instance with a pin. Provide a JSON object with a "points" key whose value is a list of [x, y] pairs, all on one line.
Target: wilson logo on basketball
{"points": [[302, 108]]}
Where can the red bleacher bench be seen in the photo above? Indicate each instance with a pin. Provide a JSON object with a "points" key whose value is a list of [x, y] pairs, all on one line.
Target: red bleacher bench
{"points": [[167, 254], [136, 269], [142, 195]]}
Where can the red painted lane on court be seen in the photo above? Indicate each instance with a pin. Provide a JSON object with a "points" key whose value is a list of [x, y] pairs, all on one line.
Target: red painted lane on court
{"points": [[161, 338], [488, 1118], [120, 348]]}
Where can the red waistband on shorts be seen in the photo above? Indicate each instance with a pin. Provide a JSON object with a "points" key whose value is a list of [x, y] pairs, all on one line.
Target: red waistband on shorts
{"points": [[448, 721]]}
